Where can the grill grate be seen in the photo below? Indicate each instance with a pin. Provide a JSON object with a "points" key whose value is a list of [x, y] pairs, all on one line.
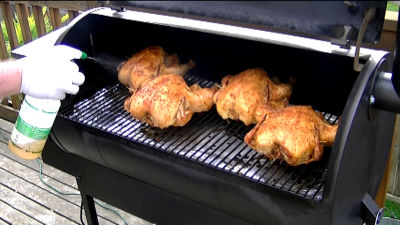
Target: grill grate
{"points": [[206, 139]]}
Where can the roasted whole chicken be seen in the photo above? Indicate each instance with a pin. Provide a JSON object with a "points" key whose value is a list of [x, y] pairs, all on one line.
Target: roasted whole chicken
{"points": [[245, 95], [168, 101], [296, 134], [147, 64]]}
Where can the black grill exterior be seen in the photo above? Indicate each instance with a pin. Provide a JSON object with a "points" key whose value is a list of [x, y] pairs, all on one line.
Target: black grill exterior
{"points": [[203, 173]]}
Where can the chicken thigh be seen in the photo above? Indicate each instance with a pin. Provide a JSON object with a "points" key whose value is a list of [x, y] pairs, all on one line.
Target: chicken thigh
{"points": [[148, 64], [296, 134], [242, 96], [168, 101]]}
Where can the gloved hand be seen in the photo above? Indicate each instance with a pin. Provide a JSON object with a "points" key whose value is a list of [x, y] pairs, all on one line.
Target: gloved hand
{"points": [[50, 73]]}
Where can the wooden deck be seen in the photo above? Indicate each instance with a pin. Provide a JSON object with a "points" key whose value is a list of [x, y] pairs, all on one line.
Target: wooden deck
{"points": [[24, 199]]}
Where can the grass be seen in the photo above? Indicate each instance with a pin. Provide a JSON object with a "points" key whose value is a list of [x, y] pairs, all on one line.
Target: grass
{"points": [[392, 7], [393, 208]]}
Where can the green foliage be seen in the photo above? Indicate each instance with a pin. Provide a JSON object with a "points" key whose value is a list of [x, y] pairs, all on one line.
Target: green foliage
{"points": [[32, 27], [392, 207], [64, 18], [3, 28], [47, 21], [392, 7]]}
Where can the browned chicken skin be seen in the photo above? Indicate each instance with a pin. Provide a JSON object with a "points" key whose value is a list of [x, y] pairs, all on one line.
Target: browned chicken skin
{"points": [[147, 64], [296, 134], [168, 101], [242, 96]]}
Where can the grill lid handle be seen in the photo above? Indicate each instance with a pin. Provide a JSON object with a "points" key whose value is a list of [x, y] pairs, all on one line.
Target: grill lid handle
{"points": [[368, 17]]}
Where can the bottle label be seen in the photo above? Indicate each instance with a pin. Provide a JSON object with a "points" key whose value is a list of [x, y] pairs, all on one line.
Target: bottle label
{"points": [[31, 131], [33, 124]]}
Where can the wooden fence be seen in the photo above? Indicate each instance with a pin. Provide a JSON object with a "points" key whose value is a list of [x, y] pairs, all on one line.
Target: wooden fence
{"points": [[24, 21]]}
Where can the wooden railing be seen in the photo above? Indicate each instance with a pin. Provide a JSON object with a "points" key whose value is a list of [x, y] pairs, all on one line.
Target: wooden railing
{"points": [[24, 21]]}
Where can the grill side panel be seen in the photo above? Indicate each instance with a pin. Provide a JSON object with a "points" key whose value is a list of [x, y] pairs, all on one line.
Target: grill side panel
{"points": [[362, 148]]}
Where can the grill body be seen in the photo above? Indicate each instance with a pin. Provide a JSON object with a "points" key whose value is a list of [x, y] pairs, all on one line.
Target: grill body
{"points": [[205, 166]]}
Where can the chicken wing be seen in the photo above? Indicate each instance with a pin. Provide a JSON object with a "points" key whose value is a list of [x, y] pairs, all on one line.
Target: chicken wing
{"points": [[242, 95], [168, 101], [296, 134], [148, 64]]}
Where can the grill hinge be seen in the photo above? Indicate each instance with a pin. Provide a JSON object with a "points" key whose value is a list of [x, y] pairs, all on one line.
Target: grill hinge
{"points": [[111, 4], [344, 40], [118, 8]]}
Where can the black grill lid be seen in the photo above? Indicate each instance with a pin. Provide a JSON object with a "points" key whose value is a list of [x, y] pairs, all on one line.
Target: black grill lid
{"points": [[324, 19]]}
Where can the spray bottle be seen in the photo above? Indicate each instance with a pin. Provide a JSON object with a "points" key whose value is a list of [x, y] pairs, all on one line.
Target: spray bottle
{"points": [[33, 125]]}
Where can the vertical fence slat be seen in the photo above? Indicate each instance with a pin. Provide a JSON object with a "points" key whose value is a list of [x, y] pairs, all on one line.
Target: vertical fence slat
{"points": [[28, 13], [72, 14], [55, 17], [76, 14], [39, 20], [9, 21], [3, 47], [23, 21]]}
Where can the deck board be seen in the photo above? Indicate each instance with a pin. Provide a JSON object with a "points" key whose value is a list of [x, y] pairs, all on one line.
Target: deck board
{"points": [[32, 192], [24, 199], [4, 222], [14, 216], [40, 213]]}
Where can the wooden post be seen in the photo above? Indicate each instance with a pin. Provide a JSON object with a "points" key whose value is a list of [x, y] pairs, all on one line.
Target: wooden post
{"points": [[381, 195], [394, 174], [389, 172], [39, 20], [23, 22]]}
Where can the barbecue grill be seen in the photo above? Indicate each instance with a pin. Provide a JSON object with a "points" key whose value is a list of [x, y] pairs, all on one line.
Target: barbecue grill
{"points": [[203, 173]]}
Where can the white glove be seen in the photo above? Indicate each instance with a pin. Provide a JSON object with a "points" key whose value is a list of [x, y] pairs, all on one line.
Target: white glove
{"points": [[50, 73]]}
